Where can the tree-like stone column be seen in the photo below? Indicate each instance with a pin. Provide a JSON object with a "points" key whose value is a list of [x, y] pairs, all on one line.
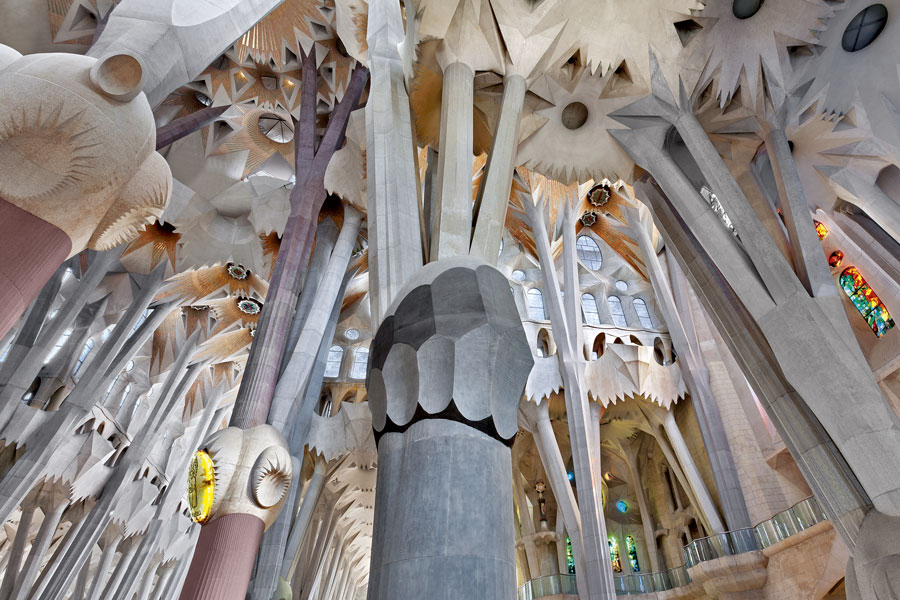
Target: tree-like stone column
{"points": [[447, 369]]}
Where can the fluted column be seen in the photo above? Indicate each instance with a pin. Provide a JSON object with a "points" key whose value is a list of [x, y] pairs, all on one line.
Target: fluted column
{"points": [[447, 369]]}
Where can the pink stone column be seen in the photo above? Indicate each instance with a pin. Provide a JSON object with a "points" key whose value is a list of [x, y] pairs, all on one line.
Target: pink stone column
{"points": [[223, 561], [31, 250]]}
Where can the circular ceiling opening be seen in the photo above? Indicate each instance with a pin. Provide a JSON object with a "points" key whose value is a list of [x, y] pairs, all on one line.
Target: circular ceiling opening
{"points": [[744, 9], [574, 115], [864, 27], [276, 128]]}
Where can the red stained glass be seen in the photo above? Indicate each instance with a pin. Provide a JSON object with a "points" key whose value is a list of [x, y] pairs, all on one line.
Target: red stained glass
{"points": [[821, 230], [836, 258]]}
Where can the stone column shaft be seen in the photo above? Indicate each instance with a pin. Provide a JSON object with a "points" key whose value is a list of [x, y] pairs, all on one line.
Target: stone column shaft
{"points": [[106, 559], [326, 236], [452, 221], [493, 196], [304, 516], [644, 507], [162, 581], [697, 380], [395, 232], [303, 357], [17, 552], [39, 548]]}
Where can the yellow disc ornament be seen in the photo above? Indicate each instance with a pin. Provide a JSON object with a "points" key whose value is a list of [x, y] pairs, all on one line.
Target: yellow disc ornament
{"points": [[201, 486]]}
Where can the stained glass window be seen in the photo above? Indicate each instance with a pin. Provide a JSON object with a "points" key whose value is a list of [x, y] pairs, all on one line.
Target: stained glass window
{"points": [[836, 258], [622, 506], [632, 554], [570, 557], [589, 306], [866, 301], [615, 309], [614, 555], [536, 305], [640, 307], [821, 230], [333, 365]]}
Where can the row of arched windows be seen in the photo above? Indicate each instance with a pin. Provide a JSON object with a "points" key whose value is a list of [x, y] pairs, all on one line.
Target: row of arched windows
{"points": [[336, 358], [537, 312]]}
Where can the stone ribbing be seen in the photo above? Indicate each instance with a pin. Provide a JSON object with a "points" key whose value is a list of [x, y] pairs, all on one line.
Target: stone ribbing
{"points": [[223, 560], [31, 251]]}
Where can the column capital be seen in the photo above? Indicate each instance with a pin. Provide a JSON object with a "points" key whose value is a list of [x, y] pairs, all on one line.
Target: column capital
{"points": [[451, 347]]}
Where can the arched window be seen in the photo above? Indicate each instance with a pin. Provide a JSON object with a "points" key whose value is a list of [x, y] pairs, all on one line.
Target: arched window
{"points": [[81, 357], [125, 393], [631, 547], [333, 364], [360, 362], [640, 307], [536, 305], [614, 554], [589, 252], [570, 557], [615, 309], [866, 301], [589, 306], [59, 344]]}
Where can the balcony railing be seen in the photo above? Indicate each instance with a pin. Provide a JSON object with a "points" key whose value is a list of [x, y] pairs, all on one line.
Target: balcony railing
{"points": [[792, 521], [549, 585], [646, 583], [799, 517]]}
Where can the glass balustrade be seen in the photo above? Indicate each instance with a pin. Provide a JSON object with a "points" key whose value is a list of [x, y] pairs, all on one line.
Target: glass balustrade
{"points": [[799, 517]]}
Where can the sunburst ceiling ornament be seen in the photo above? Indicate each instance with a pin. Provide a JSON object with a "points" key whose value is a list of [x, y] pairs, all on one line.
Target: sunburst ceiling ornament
{"points": [[203, 283], [558, 151], [780, 33], [161, 237]]}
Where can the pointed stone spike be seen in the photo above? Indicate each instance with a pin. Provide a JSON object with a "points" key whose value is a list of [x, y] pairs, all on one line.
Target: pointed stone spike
{"points": [[658, 83]]}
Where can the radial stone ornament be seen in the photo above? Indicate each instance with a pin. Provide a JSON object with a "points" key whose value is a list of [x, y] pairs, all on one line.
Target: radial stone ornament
{"points": [[447, 369]]}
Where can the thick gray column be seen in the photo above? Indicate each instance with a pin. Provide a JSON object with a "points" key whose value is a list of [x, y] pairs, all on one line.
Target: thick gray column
{"points": [[447, 369]]}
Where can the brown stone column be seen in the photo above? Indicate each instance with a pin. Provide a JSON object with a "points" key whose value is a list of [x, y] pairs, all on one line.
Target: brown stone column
{"points": [[31, 250], [224, 557]]}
